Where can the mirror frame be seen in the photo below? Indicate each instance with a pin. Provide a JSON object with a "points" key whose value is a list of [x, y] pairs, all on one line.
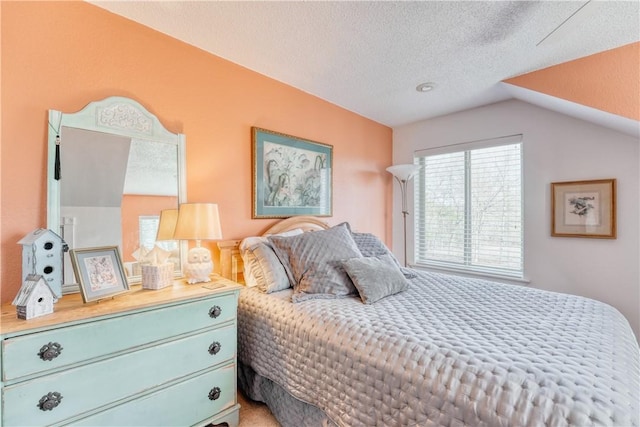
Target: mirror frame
{"points": [[117, 116]]}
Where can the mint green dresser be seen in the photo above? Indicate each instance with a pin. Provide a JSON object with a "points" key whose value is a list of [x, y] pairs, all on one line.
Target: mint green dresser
{"points": [[147, 358]]}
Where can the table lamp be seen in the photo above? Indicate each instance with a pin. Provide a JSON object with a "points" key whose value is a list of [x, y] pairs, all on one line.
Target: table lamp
{"points": [[198, 221], [167, 224], [164, 238]]}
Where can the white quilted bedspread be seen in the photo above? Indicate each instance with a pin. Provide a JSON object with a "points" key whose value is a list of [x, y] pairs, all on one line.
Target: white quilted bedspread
{"points": [[449, 351]]}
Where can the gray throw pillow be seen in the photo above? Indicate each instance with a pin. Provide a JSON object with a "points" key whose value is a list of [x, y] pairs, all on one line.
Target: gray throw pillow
{"points": [[370, 245], [313, 262], [375, 277]]}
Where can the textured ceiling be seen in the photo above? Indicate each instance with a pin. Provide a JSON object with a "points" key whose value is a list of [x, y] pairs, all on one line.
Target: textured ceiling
{"points": [[368, 57]]}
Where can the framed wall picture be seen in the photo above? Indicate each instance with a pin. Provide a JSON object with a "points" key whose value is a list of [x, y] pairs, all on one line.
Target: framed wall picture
{"points": [[291, 176], [99, 272], [584, 209]]}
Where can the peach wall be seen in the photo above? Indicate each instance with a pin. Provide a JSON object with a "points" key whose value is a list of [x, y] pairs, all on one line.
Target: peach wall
{"points": [[589, 81], [62, 55]]}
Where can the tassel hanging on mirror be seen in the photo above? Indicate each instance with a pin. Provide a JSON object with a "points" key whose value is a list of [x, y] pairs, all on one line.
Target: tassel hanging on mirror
{"points": [[56, 173], [56, 168]]}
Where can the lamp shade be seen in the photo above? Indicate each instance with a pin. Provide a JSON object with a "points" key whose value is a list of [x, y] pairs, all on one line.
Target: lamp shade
{"points": [[198, 221], [403, 172], [167, 225]]}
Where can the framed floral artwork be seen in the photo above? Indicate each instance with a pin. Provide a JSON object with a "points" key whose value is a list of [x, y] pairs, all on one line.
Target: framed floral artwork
{"points": [[584, 209], [99, 272], [291, 176]]}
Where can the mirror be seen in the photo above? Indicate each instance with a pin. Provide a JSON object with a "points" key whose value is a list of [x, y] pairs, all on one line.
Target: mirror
{"points": [[118, 169]]}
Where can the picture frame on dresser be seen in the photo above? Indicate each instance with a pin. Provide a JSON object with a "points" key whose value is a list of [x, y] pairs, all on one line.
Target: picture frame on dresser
{"points": [[291, 176], [584, 209], [99, 272]]}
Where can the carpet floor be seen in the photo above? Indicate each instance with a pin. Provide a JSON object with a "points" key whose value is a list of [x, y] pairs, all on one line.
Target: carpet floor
{"points": [[255, 414]]}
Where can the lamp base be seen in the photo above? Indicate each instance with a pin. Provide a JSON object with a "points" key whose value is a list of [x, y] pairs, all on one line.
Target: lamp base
{"points": [[199, 266]]}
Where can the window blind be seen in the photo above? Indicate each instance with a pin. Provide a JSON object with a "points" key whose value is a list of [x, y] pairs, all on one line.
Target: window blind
{"points": [[147, 229], [468, 207]]}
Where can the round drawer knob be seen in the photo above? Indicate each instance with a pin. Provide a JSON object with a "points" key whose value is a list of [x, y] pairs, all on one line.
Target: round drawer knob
{"points": [[215, 311], [214, 393], [49, 401], [214, 348], [50, 351]]}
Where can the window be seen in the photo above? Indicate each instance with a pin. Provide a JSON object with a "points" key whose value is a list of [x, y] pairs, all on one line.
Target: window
{"points": [[468, 207], [149, 229], [148, 226]]}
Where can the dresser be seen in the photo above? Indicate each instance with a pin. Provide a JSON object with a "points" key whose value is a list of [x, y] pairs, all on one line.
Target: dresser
{"points": [[149, 357]]}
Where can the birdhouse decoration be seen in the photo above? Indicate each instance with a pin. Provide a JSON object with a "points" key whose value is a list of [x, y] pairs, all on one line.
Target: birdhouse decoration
{"points": [[42, 254], [35, 298]]}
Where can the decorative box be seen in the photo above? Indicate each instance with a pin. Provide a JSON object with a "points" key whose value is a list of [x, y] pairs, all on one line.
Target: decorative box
{"points": [[157, 276]]}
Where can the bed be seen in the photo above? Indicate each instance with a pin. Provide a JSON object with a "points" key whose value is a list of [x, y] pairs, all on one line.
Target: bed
{"points": [[430, 349]]}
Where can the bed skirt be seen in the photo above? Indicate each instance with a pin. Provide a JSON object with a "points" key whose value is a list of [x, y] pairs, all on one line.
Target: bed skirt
{"points": [[288, 410]]}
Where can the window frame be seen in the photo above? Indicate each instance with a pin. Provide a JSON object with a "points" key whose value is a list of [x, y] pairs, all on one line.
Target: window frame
{"points": [[464, 267]]}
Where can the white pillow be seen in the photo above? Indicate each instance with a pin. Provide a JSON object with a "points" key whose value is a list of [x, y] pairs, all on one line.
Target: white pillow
{"points": [[261, 269]]}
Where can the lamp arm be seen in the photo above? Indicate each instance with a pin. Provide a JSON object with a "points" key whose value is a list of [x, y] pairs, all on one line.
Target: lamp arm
{"points": [[405, 212], [403, 193]]}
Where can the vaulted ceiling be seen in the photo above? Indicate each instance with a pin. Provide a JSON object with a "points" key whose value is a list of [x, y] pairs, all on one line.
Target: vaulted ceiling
{"points": [[369, 57]]}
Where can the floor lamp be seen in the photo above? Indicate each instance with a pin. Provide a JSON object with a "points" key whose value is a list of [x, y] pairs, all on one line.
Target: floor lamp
{"points": [[403, 174]]}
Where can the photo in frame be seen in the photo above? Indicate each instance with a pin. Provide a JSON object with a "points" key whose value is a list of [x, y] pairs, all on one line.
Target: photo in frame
{"points": [[99, 272], [584, 209], [291, 176]]}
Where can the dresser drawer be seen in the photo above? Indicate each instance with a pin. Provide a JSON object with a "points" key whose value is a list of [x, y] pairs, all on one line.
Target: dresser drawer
{"points": [[93, 385], [20, 355], [186, 403]]}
